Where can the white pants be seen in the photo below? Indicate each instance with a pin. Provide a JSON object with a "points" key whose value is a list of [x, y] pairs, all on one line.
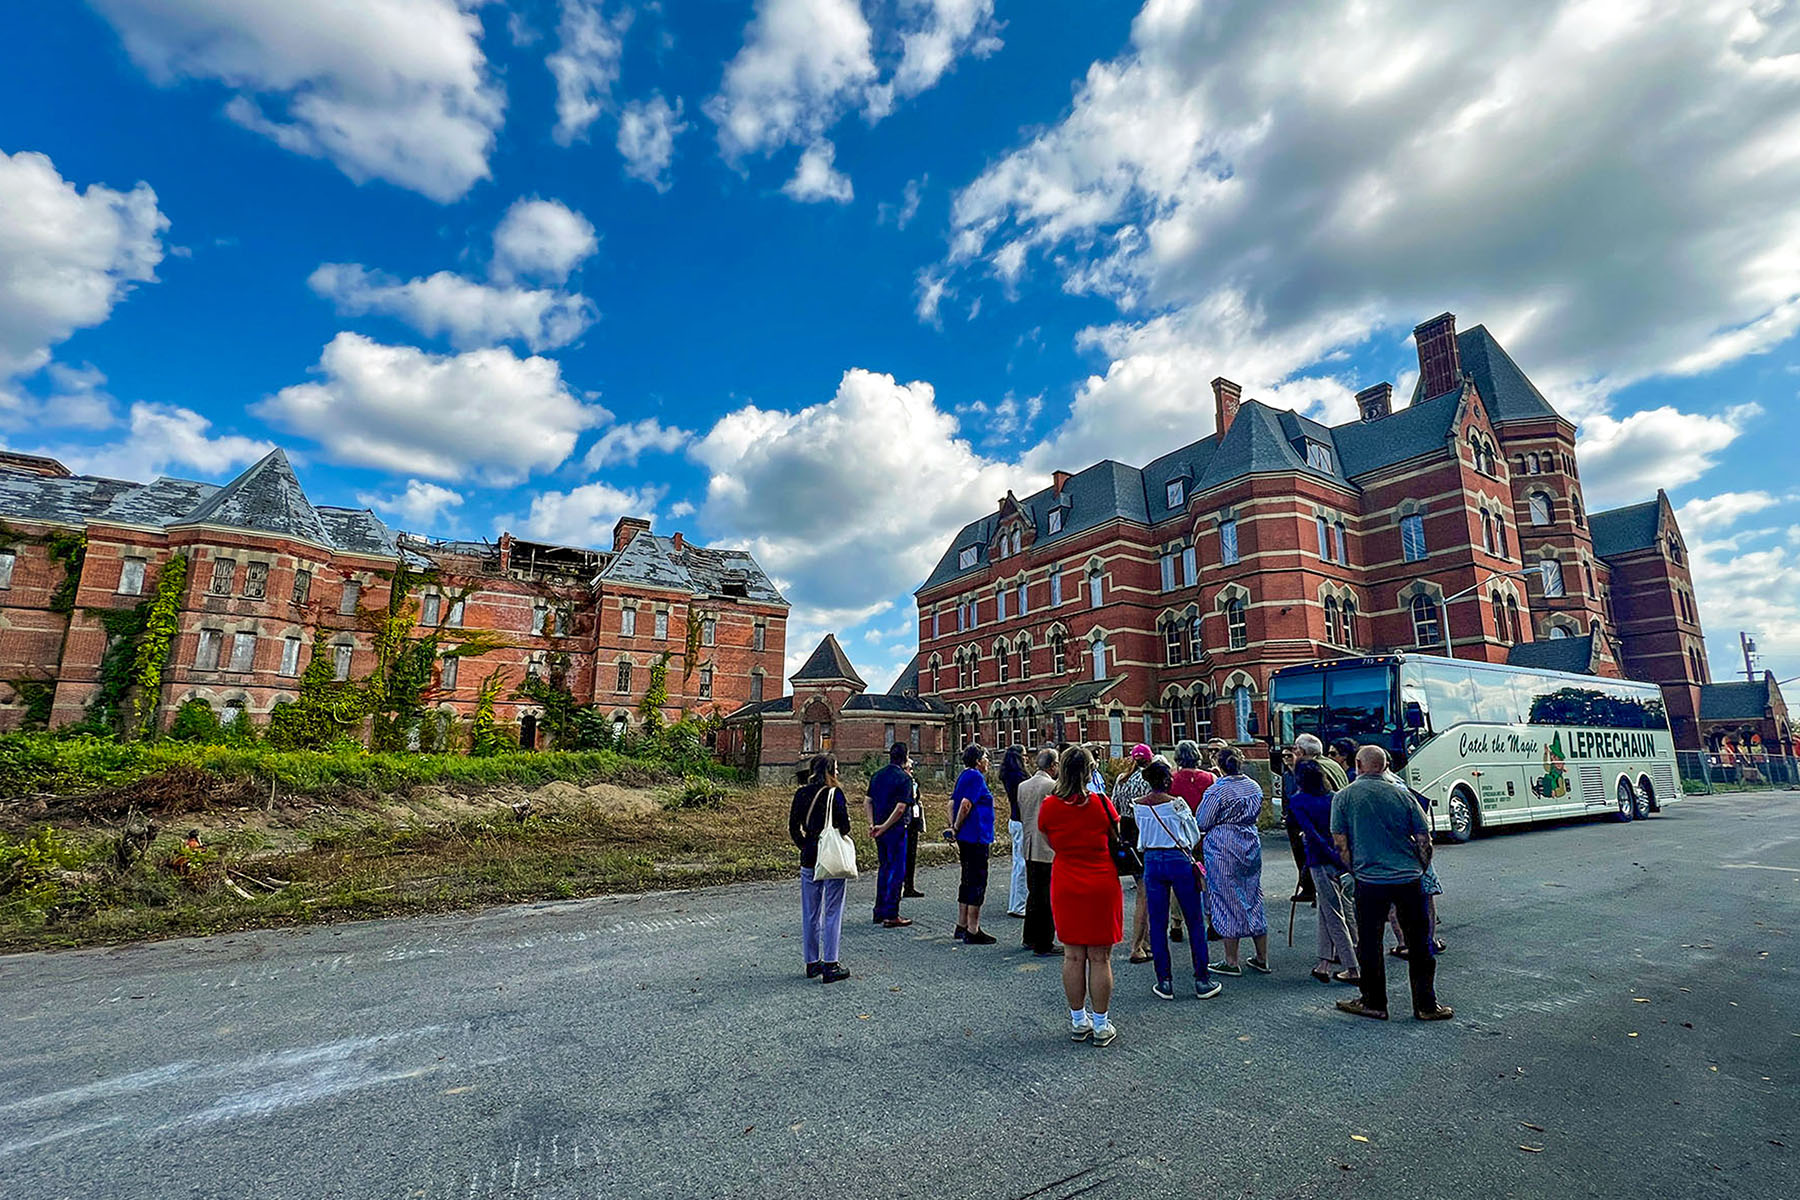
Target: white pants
{"points": [[1015, 898]]}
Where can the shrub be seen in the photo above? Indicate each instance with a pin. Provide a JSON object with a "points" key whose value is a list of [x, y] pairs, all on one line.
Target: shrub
{"points": [[195, 721], [31, 871], [700, 793]]}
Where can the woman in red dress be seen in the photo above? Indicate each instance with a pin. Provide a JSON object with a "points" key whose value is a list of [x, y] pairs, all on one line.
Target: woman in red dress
{"points": [[1085, 900]]}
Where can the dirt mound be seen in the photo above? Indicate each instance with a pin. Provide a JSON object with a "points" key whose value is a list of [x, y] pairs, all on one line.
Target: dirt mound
{"points": [[168, 793], [623, 802]]}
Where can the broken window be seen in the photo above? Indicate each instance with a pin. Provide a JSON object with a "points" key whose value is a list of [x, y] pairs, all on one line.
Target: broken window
{"points": [[347, 600], [290, 656], [243, 651], [131, 577], [340, 661], [224, 571], [256, 580], [206, 656], [430, 608], [302, 586]]}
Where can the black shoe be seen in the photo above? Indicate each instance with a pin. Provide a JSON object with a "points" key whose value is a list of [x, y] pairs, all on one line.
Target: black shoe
{"points": [[813, 970], [961, 933], [912, 893], [835, 972], [1175, 934], [979, 938]]}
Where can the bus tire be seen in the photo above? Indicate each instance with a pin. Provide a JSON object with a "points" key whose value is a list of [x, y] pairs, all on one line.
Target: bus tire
{"points": [[1461, 811], [1646, 798], [1626, 807]]}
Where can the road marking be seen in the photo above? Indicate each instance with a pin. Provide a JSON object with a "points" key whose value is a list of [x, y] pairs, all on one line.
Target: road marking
{"points": [[1757, 867]]}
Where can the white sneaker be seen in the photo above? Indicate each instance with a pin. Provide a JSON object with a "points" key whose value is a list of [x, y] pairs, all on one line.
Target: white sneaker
{"points": [[1082, 1030], [1105, 1032]]}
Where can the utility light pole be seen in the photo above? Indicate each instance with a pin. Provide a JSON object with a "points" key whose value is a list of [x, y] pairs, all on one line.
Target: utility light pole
{"points": [[1748, 644], [1444, 625]]}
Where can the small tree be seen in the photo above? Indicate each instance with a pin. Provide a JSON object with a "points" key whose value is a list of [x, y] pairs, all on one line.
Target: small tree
{"points": [[656, 696]]}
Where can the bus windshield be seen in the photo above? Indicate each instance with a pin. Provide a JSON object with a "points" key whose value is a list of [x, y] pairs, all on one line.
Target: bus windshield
{"points": [[1354, 702]]}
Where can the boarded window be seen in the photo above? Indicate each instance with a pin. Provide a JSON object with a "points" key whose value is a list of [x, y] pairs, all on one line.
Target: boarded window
{"points": [[454, 616], [302, 586], [430, 608], [450, 673], [206, 656], [662, 626], [131, 577], [709, 631], [243, 651], [756, 687], [761, 636], [224, 571], [628, 622], [290, 656], [7, 559], [256, 580], [539, 614], [340, 661], [347, 600]]}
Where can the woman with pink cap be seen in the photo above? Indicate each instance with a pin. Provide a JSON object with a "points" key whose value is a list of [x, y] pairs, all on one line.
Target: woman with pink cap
{"points": [[1128, 789]]}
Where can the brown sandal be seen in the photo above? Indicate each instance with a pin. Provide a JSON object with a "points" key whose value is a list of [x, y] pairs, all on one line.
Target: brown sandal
{"points": [[1357, 1008], [1442, 1012]]}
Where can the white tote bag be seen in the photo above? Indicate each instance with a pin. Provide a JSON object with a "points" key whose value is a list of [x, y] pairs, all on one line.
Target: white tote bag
{"points": [[837, 853]]}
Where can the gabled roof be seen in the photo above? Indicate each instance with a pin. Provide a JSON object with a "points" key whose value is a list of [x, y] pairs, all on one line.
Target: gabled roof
{"points": [[1622, 530], [160, 503], [359, 531], [1422, 428], [1736, 701], [266, 498], [1575, 654], [653, 561], [828, 663], [1258, 443], [881, 702], [1080, 695]]}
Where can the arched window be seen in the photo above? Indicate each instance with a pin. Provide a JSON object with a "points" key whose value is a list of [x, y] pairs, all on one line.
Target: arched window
{"points": [[1551, 572], [1240, 709], [1196, 643], [1096, 587], [1324, 528], [1487, 530], [1536, 465], [1499, 616], [1538, 504], [1588, 568], [936, 667], [1557, 632], [1059, 654], [1349, 623], [1203, 716], [1171, 643], [1575, 510], [1428, 627], [1520, 469], [1342, 542], [1177, 719], [1236, 627], [1512, 619], [1001, 666], [1500, 536], [1331, 620], [1098, 651], [1024, 656]]}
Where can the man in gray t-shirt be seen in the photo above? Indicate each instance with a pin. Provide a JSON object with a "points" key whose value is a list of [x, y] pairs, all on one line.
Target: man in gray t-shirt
{"points": [[1382, 833]]}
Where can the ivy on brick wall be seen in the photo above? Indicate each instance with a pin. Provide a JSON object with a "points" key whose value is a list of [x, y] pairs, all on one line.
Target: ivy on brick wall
{"points": [[160, 627], [124, 629], [486, 737], [656, 695], [66, 548], [329, 709]]}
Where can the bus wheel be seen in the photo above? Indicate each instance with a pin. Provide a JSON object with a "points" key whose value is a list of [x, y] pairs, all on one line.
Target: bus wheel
{"points": [[1646, 799], [1627, 801], [1462, 816]]}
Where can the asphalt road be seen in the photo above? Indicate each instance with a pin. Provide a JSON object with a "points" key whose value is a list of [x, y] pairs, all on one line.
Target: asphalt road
{"points": [[1629, 989]]}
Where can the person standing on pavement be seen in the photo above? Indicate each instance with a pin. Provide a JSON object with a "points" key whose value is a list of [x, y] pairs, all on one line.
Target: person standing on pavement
{"points": [[1310, 804], [1233, 852], [890, 798], [1167, 836], [1012, 774], [1040, 929], [1281, 770], [915, 832], [1307, 748], [821, 900], [1190, 783], [1085, 900], [972, 829], [1128, 789], [1382, 833], [1343, 753]]}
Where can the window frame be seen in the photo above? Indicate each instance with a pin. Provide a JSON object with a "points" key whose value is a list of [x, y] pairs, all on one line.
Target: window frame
{"points": [[1175, 493], [243, 646], [1414, 547], [224, 576], [1237, 624], [1230, 552]]}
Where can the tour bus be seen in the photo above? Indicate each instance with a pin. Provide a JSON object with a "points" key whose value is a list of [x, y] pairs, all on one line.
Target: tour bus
{"points": [[1487, 744]]}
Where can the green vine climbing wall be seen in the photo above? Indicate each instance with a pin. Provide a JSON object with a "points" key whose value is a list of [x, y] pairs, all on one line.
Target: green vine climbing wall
{"points": [[158, 639]]}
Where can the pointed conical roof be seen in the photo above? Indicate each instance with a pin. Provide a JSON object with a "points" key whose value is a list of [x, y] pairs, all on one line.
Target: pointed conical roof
{"points": [[827, 664], [266, 498]]}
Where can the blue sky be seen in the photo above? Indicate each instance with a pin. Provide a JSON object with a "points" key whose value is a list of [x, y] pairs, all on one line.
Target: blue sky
{"points": [[826, 278]]}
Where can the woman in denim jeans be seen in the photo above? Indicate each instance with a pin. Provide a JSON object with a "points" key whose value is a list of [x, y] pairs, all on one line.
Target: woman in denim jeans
{"points": [[1167, 835], [821, 900]]}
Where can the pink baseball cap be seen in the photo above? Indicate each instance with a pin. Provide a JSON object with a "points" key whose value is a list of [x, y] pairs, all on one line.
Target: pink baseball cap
{"points": [[1142, 752]]}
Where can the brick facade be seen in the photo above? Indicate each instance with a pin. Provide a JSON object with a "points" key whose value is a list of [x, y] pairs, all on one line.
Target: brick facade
{"points": [[1124, 604]]}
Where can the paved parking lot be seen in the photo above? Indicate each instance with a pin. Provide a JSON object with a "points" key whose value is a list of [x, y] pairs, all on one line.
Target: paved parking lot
{"points": [[1627, 1024]]}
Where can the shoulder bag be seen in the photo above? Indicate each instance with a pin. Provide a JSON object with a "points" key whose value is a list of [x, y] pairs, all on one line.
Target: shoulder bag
{"points": [[1126, 860], [836, 858], [1195, 864]]}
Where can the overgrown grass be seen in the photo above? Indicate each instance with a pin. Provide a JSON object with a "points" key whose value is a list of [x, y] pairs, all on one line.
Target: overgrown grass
{"points": [[42, 763]]}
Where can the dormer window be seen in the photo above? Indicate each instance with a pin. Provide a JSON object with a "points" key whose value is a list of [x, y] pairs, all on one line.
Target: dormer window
{"points": [[1055, 521], [1177, 493], [966, 559], [1318, 456]]}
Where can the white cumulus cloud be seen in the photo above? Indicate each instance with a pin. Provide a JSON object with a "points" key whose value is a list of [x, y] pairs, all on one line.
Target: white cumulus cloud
{"points": [[1627, 458], [397, 90], [484, 414], [585, 515], [816, 179], [647, 132], [585, 65], [463, 310], [419, 504], [622, 444], [165, 439], [543, 240]]}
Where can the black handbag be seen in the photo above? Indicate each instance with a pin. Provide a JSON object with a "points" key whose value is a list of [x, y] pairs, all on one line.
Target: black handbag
{"points": [[1126, 860]]}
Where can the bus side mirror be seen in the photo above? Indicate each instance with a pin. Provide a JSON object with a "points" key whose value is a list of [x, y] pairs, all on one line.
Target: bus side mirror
{"points": [[1254, 728], [1415, 716]]}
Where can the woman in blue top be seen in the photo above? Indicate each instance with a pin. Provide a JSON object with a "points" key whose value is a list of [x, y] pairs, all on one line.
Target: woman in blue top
{"points": [[972, 829], [1167, 836], [1310, 806]]}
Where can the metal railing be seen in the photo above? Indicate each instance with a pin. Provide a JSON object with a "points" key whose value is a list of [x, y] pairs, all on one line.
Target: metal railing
{"points": [[1706, 773]]}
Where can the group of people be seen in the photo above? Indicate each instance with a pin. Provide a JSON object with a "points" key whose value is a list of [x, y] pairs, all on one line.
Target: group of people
{"points": [[1185, 831]]}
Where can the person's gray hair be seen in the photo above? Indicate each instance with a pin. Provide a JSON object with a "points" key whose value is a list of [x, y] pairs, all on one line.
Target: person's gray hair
{"points": [[1047, 759], [1309, 745], [1187, 754], [1371, 760]]}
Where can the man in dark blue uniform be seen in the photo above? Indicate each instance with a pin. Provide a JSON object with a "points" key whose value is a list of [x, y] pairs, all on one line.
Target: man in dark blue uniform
{"points": [[890, 799]]}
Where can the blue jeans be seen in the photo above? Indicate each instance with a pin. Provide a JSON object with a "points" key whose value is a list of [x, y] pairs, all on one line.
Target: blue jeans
{"points": [[1168, 871], [821, 916], [890, 852], [1015, 896]]}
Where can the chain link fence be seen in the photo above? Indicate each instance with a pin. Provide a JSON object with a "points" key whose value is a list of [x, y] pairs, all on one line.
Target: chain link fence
{"points": [[1703, 773]]}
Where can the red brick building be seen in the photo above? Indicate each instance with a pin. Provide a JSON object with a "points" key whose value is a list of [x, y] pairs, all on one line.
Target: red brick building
{"points": [[831, 711], [1152, 603], [270, 574]]}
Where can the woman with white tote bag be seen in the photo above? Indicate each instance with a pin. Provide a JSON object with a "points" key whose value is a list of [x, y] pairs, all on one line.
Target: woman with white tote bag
{"points": [[819, 823]]}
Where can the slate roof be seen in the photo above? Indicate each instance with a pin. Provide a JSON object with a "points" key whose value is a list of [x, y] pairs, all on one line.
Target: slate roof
{"points": [[1734, 701], [828, 661], [781, 704], [359, 531], [1502, 386], [1259, 441], [266, 498], [160, 503], [1365, 446], [1575, 654], [881, 702], [1080, 695], [57, 500], [653, 561], [1622, 530]]}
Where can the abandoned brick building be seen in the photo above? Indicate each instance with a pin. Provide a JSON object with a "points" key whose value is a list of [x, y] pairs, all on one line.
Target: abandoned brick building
{"points": [[1125, 603], [270, 574]]}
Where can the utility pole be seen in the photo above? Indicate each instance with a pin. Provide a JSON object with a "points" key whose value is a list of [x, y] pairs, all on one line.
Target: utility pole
{"points": [[1749, 645]]}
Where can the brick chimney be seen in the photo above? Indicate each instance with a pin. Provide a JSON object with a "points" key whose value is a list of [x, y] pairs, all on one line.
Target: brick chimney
{"points": [[506, 548], [1376, 402], [1226, 398], [680, 542], [626, 529], [1440, 365], [1061, 479]]}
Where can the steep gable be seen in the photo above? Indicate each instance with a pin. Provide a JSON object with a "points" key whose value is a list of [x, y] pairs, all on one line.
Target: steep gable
{"points": [[828, 664], [267, 498]]}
